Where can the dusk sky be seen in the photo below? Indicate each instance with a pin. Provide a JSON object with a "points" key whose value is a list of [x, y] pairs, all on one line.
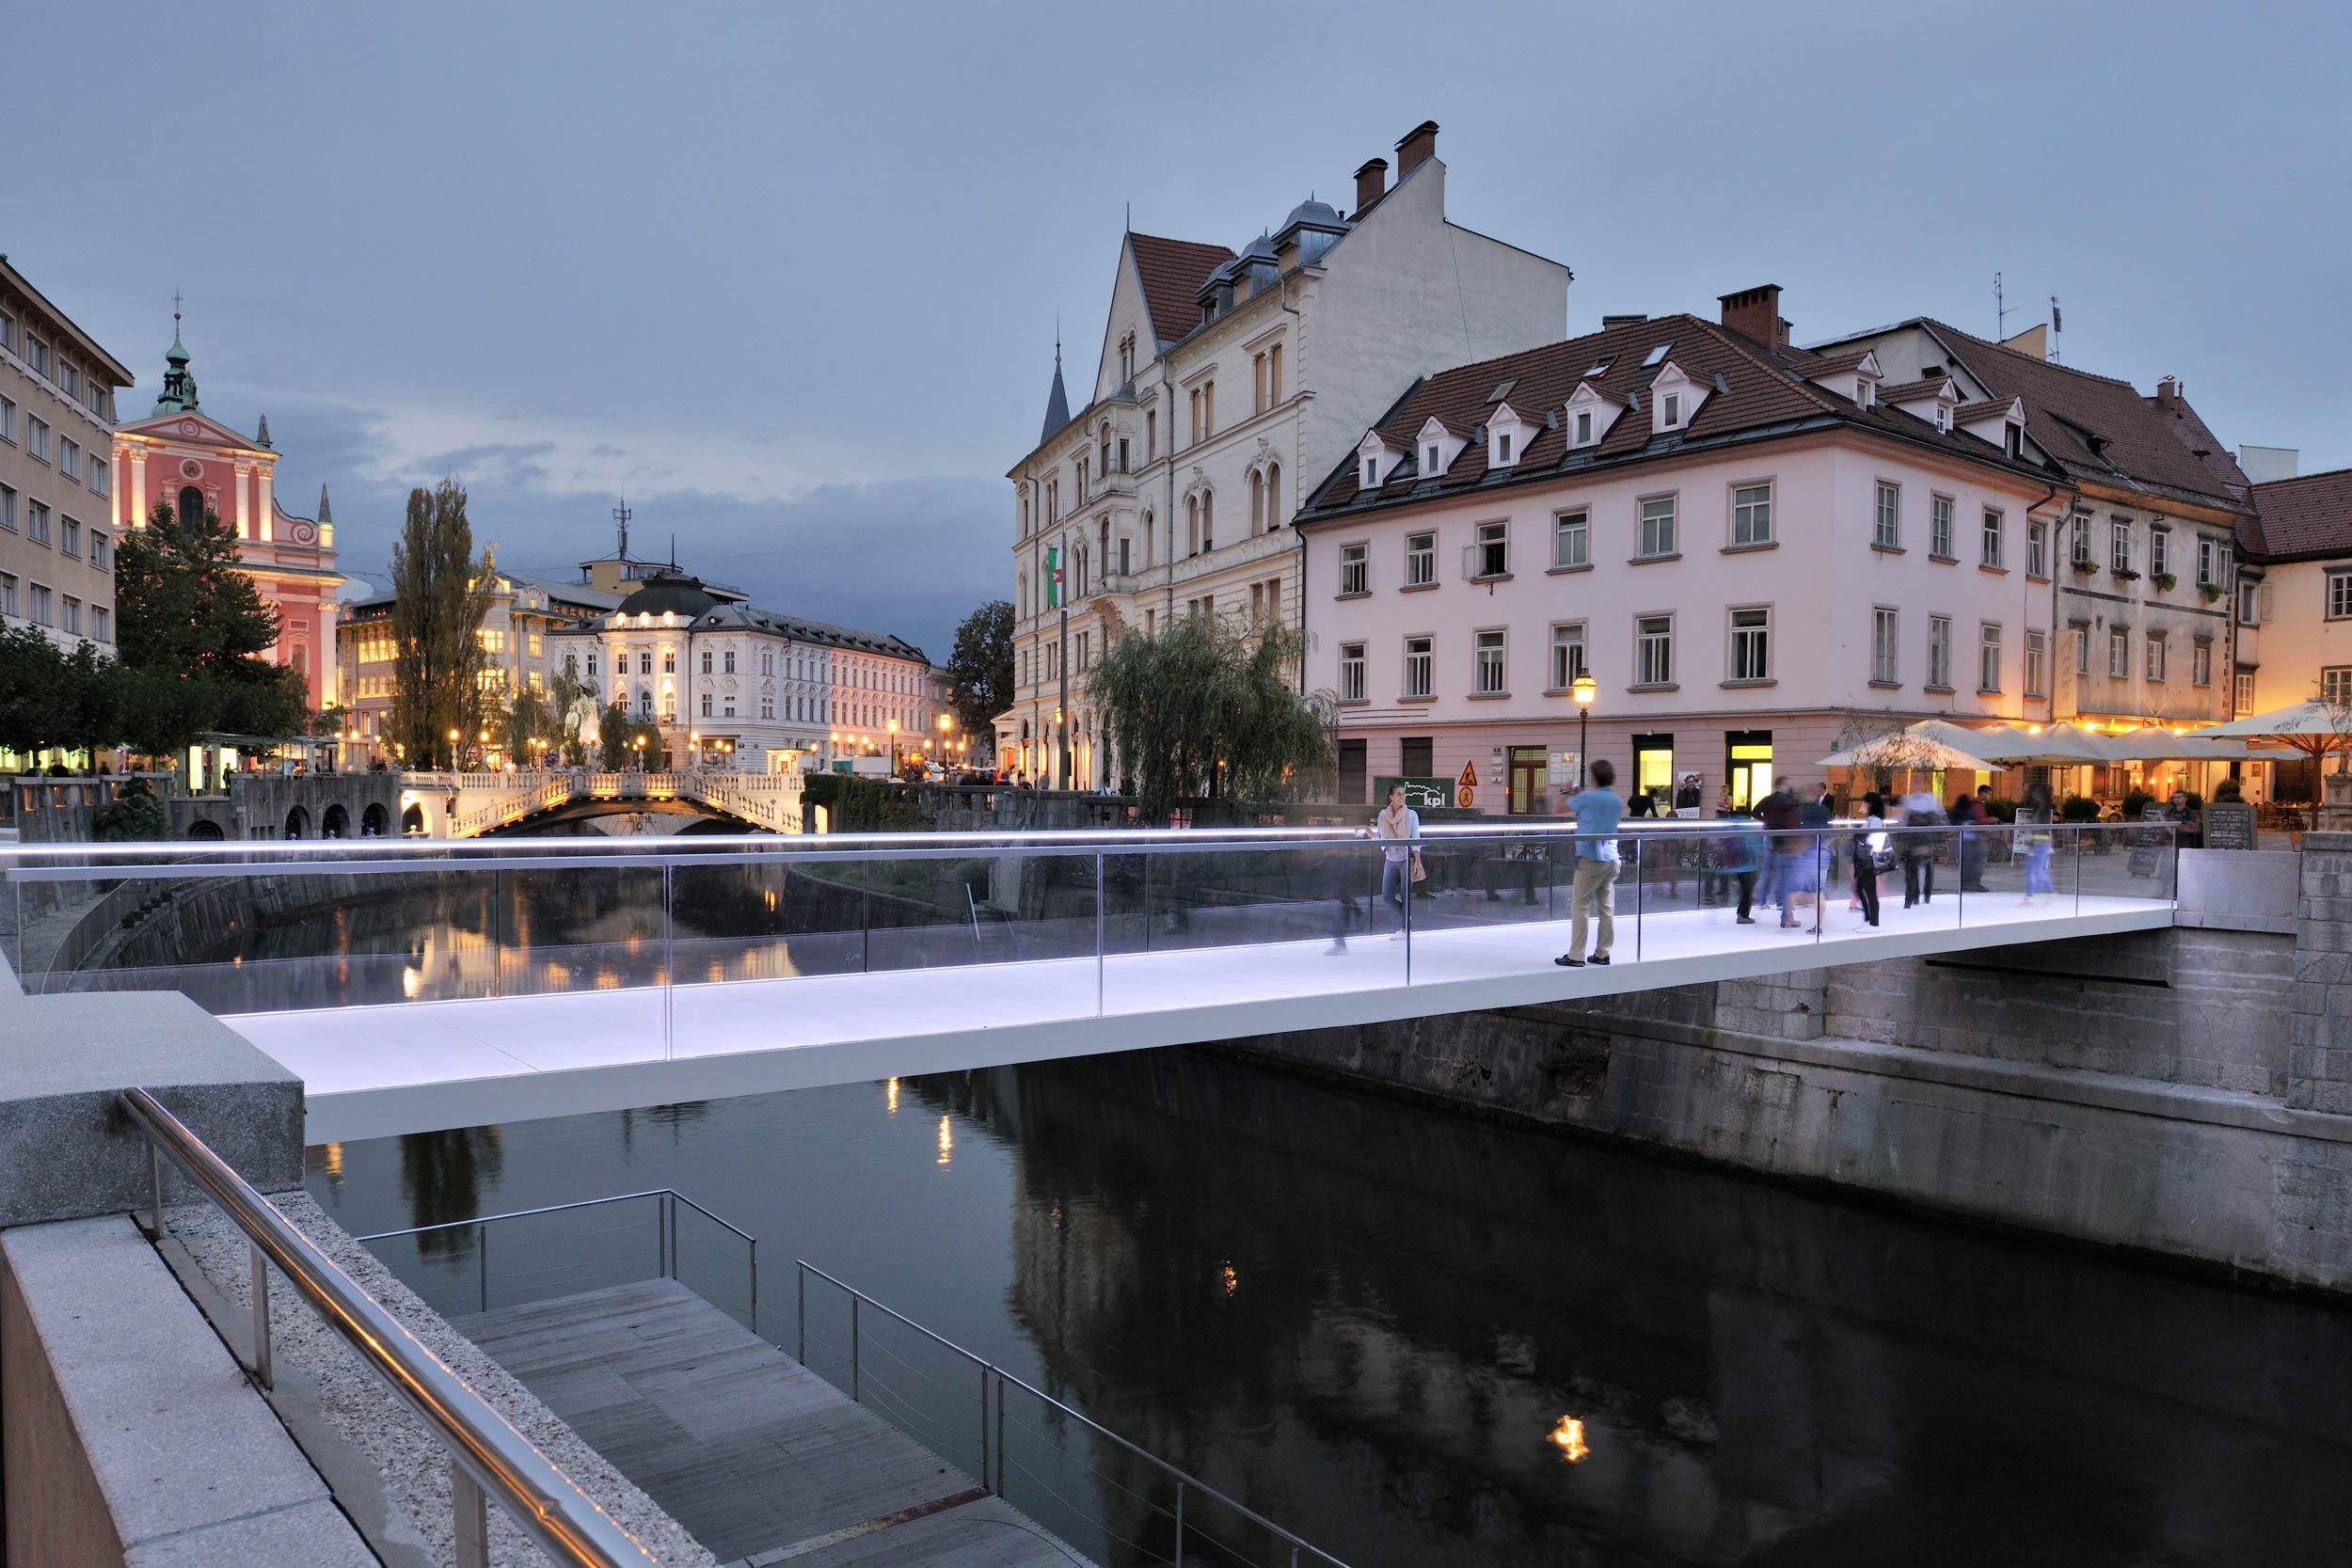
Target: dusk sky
{"points": [[787, 277]]}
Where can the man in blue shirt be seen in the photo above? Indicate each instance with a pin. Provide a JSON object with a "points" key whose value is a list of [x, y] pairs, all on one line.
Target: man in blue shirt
{"points": [[1597, 811]]}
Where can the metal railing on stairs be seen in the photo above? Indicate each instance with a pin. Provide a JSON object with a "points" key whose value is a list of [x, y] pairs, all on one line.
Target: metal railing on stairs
{"points": [[489, 1458]]}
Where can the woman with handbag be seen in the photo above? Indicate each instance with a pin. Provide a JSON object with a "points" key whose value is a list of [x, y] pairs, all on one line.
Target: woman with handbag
{"points": [[1866, 847], [1401, 864]]}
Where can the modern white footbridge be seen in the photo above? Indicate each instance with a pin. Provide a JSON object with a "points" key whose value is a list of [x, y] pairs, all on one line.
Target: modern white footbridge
{"points": [[762, 963]]}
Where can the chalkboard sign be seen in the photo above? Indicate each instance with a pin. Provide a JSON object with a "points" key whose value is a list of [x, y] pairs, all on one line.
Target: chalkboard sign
{"points": [[2230, 825], [2149, 843]]}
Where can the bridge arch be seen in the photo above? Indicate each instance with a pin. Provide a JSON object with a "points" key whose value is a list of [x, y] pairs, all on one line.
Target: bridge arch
{"points": [[297, 823], [412, 820], [374, 821], [205, 830], [336, 823]]}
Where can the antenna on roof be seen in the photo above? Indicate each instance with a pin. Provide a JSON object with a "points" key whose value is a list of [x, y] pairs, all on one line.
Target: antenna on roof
{"points": [[2001, 312], [621, 515], [2056, 325]]}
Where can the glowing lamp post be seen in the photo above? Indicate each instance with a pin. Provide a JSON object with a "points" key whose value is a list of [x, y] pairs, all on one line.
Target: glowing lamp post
{"points": [[894, 745], [1583, 689]]}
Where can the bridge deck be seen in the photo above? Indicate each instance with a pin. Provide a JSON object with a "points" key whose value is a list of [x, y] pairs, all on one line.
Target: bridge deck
{"points": [[762, 1459], [378, 1069]]}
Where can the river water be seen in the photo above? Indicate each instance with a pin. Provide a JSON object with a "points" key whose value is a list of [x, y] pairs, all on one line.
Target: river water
{"points": [[1369, 1319]]}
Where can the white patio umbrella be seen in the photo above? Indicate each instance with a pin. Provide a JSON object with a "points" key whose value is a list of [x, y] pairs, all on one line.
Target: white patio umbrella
{"points": [[2062, 745], [1903, 750], [2314, 728]]}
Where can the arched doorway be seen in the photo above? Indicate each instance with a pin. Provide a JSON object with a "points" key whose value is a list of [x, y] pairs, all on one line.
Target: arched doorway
{"points": [[205, 832], [412, 820], [373, 821], [297, 823], [336, 823]]}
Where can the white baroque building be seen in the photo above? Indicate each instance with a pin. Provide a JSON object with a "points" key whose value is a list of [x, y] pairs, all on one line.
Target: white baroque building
{"points": [[729, 685], [1229, 387]]}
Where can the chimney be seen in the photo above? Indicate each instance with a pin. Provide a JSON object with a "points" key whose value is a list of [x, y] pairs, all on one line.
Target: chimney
{"points": [[1755, 314], [1419, 146], [1608, 322], [1371, 182], [2167, 394]]}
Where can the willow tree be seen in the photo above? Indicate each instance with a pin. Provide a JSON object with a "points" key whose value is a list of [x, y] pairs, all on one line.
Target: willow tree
{"points": [[436, 626], [1204, 710]]}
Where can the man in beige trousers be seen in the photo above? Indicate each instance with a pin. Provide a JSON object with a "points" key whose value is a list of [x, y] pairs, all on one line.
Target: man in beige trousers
{"points": [[1597, 811]]}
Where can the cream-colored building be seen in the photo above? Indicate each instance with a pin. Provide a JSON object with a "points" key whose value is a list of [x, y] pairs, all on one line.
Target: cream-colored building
{"points": [[1230, 385], [58, 520]]}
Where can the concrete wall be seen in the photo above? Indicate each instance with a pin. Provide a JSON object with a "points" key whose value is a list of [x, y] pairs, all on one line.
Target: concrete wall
{"points": [[2184, 1093]]}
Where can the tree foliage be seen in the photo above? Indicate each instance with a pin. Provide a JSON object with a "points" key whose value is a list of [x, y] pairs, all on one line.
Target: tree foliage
{"points": [[617, 735], [980, 667], [1204, 710], [194, 631], [436, 623]]}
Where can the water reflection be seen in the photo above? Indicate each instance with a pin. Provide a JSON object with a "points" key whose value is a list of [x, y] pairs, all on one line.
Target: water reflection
{"points": [[1427, 1342], [442, 1176]]}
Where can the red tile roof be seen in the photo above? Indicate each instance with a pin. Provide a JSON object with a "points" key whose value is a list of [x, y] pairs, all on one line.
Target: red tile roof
{"points": [[1766, 393], [2301, 517], [1171, 272]]}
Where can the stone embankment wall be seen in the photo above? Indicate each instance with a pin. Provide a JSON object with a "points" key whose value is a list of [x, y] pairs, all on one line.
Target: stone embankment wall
{"points": [[2185, 1093]]}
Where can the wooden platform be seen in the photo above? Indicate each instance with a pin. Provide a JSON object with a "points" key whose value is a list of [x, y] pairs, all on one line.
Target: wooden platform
{"points": [[763, 1461]]}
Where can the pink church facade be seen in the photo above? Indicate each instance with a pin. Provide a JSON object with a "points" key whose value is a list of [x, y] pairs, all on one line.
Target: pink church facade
{"points": [[181, 458]]}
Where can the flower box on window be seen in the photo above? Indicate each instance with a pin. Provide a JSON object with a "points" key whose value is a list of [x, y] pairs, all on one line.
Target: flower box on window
{"points": [[2166, 581]]}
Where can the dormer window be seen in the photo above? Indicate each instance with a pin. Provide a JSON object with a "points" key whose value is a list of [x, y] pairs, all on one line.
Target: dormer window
{"points": [[1430, 464], [1866, 393], [1502, 446], [1671, 412], [1584, 427], [1371, 473], [1943, 418], [1507, 435]]}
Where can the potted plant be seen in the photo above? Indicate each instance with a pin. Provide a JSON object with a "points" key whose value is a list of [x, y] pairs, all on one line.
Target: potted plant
{"points": [[2084, 569], [2210, 590], [2166, 581], [2125, 574]]}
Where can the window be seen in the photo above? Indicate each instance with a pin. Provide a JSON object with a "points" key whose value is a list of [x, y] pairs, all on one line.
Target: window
{"points": [[2118, 653], [1584, 427], [1567, 655], [1208, 410], [69, 379], [36, 523], [1752, 645], [2037, 549], [1752, 515], [1351, 672], [2335, 684], [2037, 663], [1658, 526], [644, 704], [1890, 516], [190, 511], [74, 616], [1418, 667], [1988, 657], [1940, 527], [1151, 436], [2081, 551], [1671, 409], [706, 705], [7, 419], [619, 662], [2248, 597], [69, 458], [726, 662], [70, 537], [2155, 656], [1356, 568], [37, 437], [644, 661], [2339, 594], [1654, 650], [36, 355], [2208, 562], [8, 508], [1274, 374], [1494, 550], [1991, 538], [2200, 664], [1208, 520], [1571, 540], [97, 476], [1940, 652], [2160, 552], [1503, 447], [102, 623], [2082, 650], [1883, 631], [1126, 563], [1489, 649], [42, 616], [1421, 560], [8, 594], [1371, 473], [2243, 698], [2119, 545]]}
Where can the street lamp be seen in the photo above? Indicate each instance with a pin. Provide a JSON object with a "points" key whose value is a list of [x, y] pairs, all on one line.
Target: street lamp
{"points": [[454, 763], [893, 727], [1583, 689]]}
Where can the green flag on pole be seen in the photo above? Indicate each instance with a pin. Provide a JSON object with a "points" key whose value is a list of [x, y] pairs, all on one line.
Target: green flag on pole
{"points": [[1053, 577]]}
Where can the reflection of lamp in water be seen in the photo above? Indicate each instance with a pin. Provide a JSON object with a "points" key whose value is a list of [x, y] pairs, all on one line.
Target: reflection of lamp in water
{"points": [[947, 1140], [1232, 1279], [1569, 1437], [890, 1097]]}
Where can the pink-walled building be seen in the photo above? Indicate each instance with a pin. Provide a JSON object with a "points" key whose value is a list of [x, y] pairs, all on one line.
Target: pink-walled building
{"points": [[181, 458], [1753, 552]]}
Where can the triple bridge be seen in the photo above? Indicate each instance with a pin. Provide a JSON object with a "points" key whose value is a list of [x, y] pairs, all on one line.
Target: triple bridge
{"points": [[623, 803]]}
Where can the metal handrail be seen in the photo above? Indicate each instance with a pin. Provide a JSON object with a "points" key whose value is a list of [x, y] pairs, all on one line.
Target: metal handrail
{"points": [[1185, 1479], [487, 1456], [557, 1208]]}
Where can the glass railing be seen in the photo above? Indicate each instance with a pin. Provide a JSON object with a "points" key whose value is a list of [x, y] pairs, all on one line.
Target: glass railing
{"points": [[996, 928]]}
